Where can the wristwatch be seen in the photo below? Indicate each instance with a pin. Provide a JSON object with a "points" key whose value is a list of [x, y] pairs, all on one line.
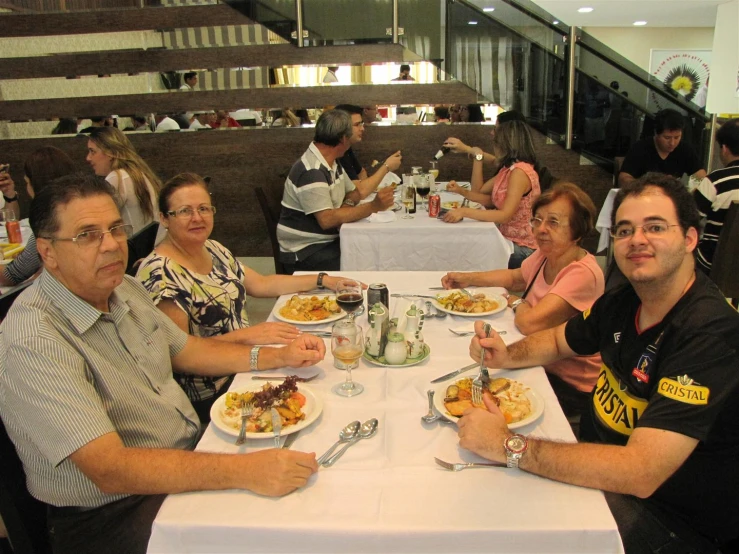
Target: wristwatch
{"points": [[516, 303], [515, 447], [319, 280], [479, 157], [254, 358]]}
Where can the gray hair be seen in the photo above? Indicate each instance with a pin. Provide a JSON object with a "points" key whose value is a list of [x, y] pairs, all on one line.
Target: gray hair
{"points": [[332, 126]]}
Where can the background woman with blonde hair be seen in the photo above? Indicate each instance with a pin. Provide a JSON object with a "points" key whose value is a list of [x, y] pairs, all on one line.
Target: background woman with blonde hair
{"points": [[112, 156]]}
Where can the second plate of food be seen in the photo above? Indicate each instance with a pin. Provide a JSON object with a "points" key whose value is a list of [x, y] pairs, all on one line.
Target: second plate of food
{"points": [[310, 310], [483, 302]]}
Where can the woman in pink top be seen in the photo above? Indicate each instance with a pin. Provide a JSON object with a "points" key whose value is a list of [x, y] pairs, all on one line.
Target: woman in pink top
{"points": [[560, 279], [510, 194]]}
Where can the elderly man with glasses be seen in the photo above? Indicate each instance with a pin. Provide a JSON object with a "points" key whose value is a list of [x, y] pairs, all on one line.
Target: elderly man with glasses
{"points": [[86, 387]]}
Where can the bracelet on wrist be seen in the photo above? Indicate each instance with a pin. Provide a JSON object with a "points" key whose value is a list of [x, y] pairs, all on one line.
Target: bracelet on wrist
{"points": [[14, 199], [254, 358]]}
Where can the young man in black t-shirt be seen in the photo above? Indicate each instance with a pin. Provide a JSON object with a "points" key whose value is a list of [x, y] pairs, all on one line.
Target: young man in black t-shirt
{"points": [[662, 432]]}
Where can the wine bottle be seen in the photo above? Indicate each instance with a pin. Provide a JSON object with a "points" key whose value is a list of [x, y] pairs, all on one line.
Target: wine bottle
{"points": [[441, 152], [412, 209]]}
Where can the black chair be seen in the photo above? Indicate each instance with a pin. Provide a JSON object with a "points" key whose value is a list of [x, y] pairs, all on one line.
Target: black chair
{"points": [[6, 300], [271, 213], [23, 515], [725, 266], [140, 245]]}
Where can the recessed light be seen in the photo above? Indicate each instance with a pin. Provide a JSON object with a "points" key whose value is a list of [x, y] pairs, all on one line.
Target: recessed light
{"points": [[585, 9], [488, 9], [555, 22], [640, 23], [472, 22]]}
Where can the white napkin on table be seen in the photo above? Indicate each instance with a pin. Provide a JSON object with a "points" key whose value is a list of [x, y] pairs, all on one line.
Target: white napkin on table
{"points": [[382, 217]]}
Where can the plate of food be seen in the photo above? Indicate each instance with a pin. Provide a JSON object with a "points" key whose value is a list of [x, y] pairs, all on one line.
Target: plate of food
{"points": [[310, 310], [297, 405], [381, 361], [481, 303], [519, 403]]}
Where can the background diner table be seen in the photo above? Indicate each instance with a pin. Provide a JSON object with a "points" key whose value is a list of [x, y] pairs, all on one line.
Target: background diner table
{"points": [[423, 244], [386, 494], [26, 234]]}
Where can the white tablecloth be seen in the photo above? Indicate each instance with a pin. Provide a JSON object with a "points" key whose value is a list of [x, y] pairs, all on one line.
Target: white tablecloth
{"points": [[387, 494], [423, 244]]}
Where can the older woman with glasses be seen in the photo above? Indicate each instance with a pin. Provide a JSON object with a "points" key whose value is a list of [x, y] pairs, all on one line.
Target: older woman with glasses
{"points": [[560, 279], [203, 288]]}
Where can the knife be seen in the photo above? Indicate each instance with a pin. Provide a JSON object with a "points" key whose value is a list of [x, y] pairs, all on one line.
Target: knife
{"points": [[453, 373], [290, 440], [276, 425]]}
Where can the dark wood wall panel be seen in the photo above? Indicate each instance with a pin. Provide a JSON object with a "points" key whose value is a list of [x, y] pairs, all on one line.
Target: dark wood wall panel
{"points": [[239, 160], [125, 19], [299, 97], [161, 60]]}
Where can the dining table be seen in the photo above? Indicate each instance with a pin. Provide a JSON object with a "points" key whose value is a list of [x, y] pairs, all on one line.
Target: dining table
{"points": [[25, 234], [389, 242], [387, 494]]}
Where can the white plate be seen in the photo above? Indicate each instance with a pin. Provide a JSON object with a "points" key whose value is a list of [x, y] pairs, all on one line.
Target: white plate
{"points": [[502, 302], [312, 409], [408, 363], [330, 319], [537, 402]]}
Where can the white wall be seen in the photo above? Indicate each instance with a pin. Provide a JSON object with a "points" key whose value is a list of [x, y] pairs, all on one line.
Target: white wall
{"points": [[635, 43]]}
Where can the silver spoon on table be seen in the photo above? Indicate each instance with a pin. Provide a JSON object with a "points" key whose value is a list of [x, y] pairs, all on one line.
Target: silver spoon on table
{"points": [[431, 416], [368, 430], [345, 435]]}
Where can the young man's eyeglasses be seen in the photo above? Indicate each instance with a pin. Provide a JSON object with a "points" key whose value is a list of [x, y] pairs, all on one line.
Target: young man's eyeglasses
{"points": [[95, 237], [654, 229], [186, 212]]}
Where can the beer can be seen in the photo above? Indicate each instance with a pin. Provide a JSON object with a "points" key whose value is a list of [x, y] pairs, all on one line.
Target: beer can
{"points": [[377, 292], [14, 231], [434, 205]]}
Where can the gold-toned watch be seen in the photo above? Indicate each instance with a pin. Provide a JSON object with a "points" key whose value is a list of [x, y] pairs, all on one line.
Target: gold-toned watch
{"points": [[515, 447], [479, 157]]}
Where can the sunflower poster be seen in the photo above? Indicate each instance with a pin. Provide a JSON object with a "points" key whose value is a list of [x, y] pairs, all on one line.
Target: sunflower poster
{"points": [[684, 72]]}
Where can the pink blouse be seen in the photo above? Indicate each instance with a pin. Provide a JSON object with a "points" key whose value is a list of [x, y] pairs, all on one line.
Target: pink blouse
{"points": [[579, 284], [517, 229]]}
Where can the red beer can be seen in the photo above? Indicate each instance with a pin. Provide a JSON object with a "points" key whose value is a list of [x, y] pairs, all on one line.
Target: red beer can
{"points": [[14, 231], [434, 205]]}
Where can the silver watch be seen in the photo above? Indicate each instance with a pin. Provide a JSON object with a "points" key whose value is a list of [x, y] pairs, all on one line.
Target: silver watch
{"points": [[516, 303], [515, 447]]}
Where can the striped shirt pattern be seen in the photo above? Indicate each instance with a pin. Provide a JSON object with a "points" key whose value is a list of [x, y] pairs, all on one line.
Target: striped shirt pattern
{"points": [[25, 265], [70, 374], [714, 197], [311, 186]]}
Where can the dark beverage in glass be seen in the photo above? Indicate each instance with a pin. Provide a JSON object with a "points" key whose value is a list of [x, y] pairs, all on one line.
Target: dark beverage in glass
{"points": [[349, 301], [423, 191]]}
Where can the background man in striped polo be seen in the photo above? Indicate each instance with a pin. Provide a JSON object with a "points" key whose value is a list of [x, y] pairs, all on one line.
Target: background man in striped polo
{"points": [[86, 387], [319, 197]]}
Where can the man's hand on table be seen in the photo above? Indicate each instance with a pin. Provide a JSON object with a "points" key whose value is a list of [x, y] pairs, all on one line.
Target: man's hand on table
{"points": [[483, 432], [384, 200], [304, 351], [455, 280], [277, 472], [496, 352], [270, 332]]}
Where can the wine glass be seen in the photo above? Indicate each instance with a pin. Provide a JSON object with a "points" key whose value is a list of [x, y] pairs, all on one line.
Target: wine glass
{"points": [[423, 187], [434, 172], [349, 296], [347, 346], [407, 196]]}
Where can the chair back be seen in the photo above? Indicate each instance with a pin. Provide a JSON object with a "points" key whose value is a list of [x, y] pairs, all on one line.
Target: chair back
{"points": [[271, 212], [6, 300], [24, 516], [140, 245], [725, 266]]}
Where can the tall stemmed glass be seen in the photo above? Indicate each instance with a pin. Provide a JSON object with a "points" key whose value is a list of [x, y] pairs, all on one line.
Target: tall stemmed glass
{"points": [[407, 196], [349, 296], [347, 346]]}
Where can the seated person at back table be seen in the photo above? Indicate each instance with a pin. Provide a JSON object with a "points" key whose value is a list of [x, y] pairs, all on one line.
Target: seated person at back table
{"points": [[86, 343], [665, 152], [349, 162], [661, 429], [509, 195], [560, 280], [199, 284], [319, 197]]}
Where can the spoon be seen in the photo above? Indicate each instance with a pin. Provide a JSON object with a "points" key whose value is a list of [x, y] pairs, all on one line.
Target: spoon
{"points": [[431, 416], [345, 435], [433, 310], [368, 430], [468, 333]]}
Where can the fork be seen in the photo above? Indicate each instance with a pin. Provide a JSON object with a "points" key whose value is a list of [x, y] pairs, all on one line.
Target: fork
{"points": [[483, 378], [460, 467], [246, 410], [282, 378], [468, 333]]}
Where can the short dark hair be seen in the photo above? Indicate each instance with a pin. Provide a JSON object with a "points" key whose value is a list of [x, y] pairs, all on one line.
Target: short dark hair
{"points": [[510, 115], [190, 74], [668, 120], [687, 212], [332, 126], [175, 183], [350, 108], [43, 212], [441, 112], [405, 67], [583, 209], [476, 115], [44, 165], [728, 135]]}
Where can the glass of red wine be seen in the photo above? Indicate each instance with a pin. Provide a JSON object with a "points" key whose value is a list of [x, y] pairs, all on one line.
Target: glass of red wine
{"points": [[349, 296], [423, 187]]}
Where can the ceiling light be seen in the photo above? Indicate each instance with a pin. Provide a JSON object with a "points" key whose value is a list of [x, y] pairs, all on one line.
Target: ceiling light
{"points": [[640, 23], [555, 22], [491, 9], [585, 9], [472, 22]]}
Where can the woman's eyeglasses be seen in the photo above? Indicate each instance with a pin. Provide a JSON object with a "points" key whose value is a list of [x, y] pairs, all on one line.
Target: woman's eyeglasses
{"points": [[186, 212]]}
